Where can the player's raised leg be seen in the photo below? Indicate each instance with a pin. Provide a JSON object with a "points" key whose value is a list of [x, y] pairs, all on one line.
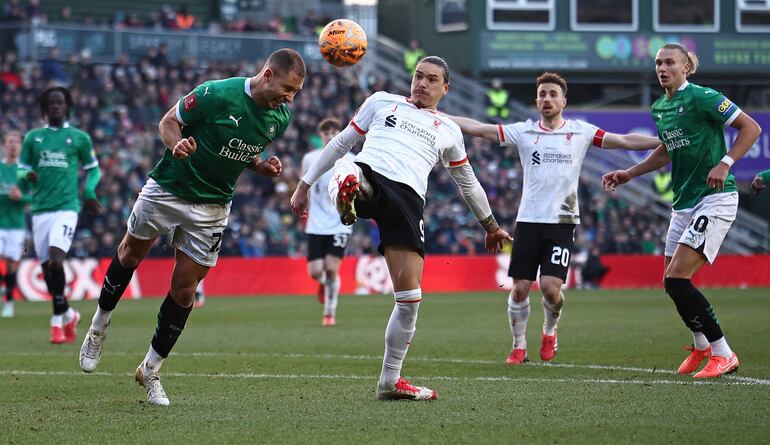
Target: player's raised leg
{"points": [[131, 251], [347, 184], [405, 266], [172, 318], [518, 315]]}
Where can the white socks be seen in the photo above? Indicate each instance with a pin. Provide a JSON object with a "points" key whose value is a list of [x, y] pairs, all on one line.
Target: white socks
{"points": [[552, 315], [62, 319], [721, 348], [518, 314], [101, 319], [700, 341], [398, 334], [152, 360], [331, 294]]}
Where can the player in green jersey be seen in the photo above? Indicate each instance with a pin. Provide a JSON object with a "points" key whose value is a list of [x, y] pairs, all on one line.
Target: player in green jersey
{"points": [[760, 181], [13, 199], [210, 135], [690, 121], [52, 155]]}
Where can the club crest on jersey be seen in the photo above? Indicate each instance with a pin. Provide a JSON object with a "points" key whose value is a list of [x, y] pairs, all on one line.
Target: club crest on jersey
{"points": [[68, 141], [680, 110], [271, 130], [190, 102], [436, 123], [568, 138]]}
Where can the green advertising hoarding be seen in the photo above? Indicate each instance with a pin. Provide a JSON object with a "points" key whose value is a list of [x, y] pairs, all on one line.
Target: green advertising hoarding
{"points": [[629, 52]]}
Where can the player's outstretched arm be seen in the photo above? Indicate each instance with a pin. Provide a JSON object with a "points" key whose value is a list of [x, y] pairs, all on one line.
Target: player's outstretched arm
{"points": [[91, 203], [473, 127], [629, 141], [476, 198], [334, 150], [657, 159]]}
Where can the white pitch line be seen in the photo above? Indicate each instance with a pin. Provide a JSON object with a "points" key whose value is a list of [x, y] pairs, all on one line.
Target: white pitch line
{"points": [[747, 379], [372, 378]]}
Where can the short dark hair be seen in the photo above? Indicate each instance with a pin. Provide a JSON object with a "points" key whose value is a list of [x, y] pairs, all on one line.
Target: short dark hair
{"points": [[329, 124], [552, 78], [436, 60], [285, 60], [43, 99]]}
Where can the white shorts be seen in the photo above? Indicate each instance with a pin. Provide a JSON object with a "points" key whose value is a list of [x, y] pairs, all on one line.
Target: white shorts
{"points": [[12, 243], [53, 229], [704, 226], [197, 228]]}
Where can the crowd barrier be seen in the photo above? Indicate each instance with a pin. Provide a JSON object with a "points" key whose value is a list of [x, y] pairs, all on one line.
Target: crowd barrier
{"points": [[368, 275]]}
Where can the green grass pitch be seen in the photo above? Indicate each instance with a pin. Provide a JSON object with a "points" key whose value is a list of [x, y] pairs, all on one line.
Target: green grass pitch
{"points": [[263, 370]]}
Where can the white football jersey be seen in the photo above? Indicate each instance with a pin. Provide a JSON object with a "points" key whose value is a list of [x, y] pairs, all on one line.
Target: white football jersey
{"points": [[322, 217], [404, 142], [552, 161]]}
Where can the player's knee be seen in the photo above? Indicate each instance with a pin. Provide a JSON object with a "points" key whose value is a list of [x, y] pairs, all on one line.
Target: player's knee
{"points": [[677, 287], [55, 264], [331, 275], [129, 257]]}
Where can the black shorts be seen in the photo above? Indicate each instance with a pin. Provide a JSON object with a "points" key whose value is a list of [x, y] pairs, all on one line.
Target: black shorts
{"points": [[544, 246], [397, 210], [318, 246]]}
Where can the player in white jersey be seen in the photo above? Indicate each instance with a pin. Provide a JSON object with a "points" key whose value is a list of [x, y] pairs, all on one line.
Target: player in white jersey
{"points": [[551, 152], [405, 138], [327, 237]]}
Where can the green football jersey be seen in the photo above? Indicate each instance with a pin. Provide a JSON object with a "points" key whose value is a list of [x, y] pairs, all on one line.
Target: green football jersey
{"points": [[691, 125], [11, 211], [229, 132], [54, 154]]}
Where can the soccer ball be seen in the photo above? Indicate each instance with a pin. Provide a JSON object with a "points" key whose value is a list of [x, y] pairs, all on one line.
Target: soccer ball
{"points": [[342, 42]]}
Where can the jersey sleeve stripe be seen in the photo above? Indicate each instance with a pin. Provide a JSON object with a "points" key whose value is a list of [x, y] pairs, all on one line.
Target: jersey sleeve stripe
{"points": [[91, 165], [178, 114], [500, 133], [458, 163], [357, 128], [599, 138], [25, 166], [732, 117]]}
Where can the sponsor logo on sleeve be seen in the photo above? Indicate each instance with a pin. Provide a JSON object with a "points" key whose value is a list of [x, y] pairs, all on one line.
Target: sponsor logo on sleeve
{"points": [[190, 102], [725, 106]]}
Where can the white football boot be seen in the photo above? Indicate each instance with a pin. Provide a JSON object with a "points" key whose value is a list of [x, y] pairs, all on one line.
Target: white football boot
{"points": [[91, 351], [151, 382]]}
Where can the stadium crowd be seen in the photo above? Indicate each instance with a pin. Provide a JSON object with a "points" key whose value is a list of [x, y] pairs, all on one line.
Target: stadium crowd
{"points": [[119, 105]]}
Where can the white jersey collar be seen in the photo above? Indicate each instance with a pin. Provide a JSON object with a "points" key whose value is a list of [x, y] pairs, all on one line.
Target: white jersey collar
{"points": [[683, 86], [65, 125]]}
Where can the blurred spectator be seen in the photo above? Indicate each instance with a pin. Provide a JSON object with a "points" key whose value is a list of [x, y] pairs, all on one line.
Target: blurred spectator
{"points": [[497, 101], [53, 69], [184, 19], [593, 270], [412, 55], [663, 184]]}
